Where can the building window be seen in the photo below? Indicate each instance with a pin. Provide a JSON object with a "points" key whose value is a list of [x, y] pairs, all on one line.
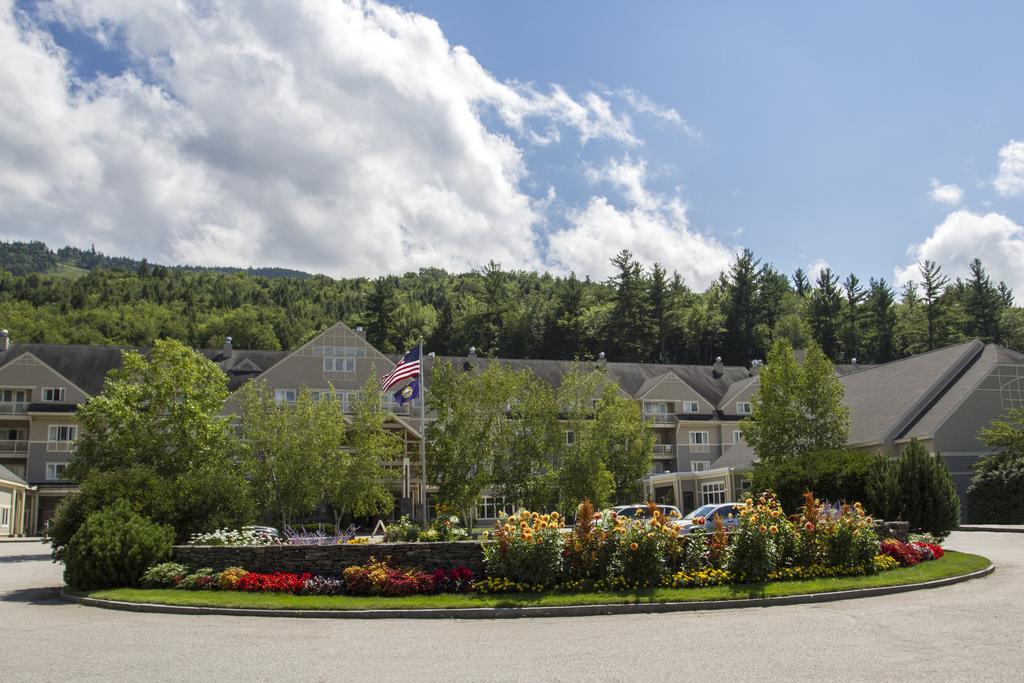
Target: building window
{"points": [[54, 394], [745, 486], [737, 436], [712, 494], [570, 437], [61, 437], [656, 408], [700, 465], [55, 471], [340, 358], [490, 507], [744, 408], [285, 395], [5, 516], [690, 407], [699, 442]]}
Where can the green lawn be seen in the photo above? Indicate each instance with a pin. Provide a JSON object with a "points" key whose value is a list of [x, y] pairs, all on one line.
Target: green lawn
{"points": [[953, 564]]}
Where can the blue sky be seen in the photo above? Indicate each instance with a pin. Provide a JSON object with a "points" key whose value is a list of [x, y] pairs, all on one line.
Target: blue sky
{"points": [[358, 140], [820, 126]]}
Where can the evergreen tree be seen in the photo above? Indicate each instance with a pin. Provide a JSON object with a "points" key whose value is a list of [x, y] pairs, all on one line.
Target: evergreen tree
{"points": [[630, 325], [382, 313], [826, 304], [996, 493], [983, 304], [933, 286], [855, 296], [740, 286], [659, 306], [881, 321], [801, 285]]}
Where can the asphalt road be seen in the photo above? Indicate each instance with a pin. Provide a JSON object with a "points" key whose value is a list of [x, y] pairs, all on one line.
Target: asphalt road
{"points": [[973, 630]]}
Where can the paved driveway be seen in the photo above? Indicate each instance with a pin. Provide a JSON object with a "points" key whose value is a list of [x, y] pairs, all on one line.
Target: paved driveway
{"points": [[973, 631]]}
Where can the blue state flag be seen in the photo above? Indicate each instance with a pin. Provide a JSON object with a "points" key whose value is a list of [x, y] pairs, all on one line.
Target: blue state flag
{"points": [[408, 392]]}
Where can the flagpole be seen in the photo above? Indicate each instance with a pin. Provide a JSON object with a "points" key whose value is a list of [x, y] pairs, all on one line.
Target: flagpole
{"points": [[423, 429]]}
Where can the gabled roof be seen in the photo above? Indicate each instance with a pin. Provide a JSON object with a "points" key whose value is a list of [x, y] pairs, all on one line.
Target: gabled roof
{"points": [[886, 400], [963, 386], [739, 456], [85, 365], [11, 478], [631, 377], [736, 389]]}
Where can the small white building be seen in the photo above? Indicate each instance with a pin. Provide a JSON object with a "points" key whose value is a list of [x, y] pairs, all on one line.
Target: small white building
{"points": [[14, 493]]}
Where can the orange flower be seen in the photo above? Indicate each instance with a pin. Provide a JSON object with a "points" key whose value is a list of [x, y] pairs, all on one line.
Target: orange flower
{"points": [[762, 528], [633, 546], [774, 529]]}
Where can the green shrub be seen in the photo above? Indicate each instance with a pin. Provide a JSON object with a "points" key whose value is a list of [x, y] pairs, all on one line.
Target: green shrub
{"points": [[918, 489], [164, 575], [403, 531], [114, 547], [201, 578], [996, 493], [838, 475]]}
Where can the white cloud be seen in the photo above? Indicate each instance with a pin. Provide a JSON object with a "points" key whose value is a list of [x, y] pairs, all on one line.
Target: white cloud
{"points": [[946, 194], [1010, 181], [964, 236], [642, 104], [814, 269], [654, 227], [337, 136]]}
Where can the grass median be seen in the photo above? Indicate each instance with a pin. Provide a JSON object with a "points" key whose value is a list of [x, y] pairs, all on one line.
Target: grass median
{"points": [[953, 564]]}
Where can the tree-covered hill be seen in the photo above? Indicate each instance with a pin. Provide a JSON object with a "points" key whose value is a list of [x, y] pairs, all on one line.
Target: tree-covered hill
{"points": [[643, 313]]}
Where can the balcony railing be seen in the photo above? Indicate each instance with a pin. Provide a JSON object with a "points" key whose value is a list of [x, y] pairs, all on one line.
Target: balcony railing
{"points": [[13, 407], [60, 446], [662, 418], [663, 449], [700, 448], [13, 446]]}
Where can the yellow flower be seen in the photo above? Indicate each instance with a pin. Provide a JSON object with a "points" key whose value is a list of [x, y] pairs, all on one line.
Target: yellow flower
{"points": [[762, 528], [774, 529], [650, 534]]}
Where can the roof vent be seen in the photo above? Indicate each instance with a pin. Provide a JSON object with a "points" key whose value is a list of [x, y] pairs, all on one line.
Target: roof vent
{"points": [[602, 360], [5, 340], [227, 347], [719, 368], [361, 331], [853, 361], [755, 368]]}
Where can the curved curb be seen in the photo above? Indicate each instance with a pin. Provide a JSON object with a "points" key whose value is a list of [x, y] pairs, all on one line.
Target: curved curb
{"points": [[519, 612]]}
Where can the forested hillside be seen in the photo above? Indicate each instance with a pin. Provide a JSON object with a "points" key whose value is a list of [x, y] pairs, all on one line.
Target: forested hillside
{"points": [[641, 314]]}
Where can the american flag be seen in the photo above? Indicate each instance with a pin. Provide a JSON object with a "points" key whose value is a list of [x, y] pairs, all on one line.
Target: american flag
{"points": [[408, 367]]}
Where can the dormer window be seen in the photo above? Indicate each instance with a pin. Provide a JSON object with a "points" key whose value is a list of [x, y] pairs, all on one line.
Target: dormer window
{"points": [[690, 407], [744, 408], [53, 394]]}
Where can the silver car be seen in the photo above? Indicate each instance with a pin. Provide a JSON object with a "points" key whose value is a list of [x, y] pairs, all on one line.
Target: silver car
{"points": [[729, 512]]}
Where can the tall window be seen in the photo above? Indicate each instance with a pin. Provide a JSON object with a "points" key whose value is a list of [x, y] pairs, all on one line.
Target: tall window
{"points": [[698, 438], [570, 437], [690, 407], [55, 471], [712, 494], [737, 436], [55, 394], [656, 408], [492, 506], [61, 437], [340, 358], [5, 516], [744, 408], [285, 395]]}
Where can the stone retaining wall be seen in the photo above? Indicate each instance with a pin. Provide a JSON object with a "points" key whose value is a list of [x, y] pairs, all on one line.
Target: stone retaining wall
{"points": [[332, 559], [898, 530]]}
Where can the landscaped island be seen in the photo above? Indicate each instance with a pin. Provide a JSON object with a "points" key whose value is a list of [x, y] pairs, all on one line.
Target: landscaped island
{"points": [[533, 559]]}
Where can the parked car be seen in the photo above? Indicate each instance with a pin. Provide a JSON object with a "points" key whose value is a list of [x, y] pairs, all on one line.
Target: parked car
{"points": [[641, 511], [729, 512]]}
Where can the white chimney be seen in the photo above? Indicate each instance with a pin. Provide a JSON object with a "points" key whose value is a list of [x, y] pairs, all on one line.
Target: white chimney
{"points": [[755, 368], [5, 340], [719, 368], [227, 347]]}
